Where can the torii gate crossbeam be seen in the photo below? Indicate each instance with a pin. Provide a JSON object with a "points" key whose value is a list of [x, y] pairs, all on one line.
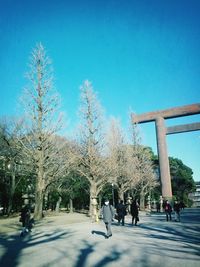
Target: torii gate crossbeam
{"points": [[161, 132]]}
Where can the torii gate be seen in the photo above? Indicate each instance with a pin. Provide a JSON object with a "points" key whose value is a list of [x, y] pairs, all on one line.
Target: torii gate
{"points": [[161, 132]]}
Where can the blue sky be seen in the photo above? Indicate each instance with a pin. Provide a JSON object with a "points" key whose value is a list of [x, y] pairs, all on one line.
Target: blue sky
{"points": [[141, 54]]}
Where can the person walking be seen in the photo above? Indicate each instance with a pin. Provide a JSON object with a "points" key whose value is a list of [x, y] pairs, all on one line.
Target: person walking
{"points": [[158, 206], [177, 211], [121, 212], [25, 219], [135, 211], [168, 210], [108, 213]]}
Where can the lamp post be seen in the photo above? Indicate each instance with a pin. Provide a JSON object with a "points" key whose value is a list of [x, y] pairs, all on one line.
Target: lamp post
{"points": [[113, 197]]}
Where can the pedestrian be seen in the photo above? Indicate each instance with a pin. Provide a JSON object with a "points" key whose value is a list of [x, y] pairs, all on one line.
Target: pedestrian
{"points": [[25, 219], [168, 210], [135, 212], [108, 213], [121, 212], [182, 205], [177, 211], [158, 206]]}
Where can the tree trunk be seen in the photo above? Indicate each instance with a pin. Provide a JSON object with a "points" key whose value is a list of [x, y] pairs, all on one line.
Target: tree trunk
{"points": [[39, 195], [12, 189], [58, 204], [142, 200], [100, 201], [11, 194], [46, 205], [38, 205], [71, 209], [93, 202], [40, 184], [121, 194]]}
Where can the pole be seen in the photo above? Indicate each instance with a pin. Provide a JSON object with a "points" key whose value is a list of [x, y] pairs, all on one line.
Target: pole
{"points": [[113, 197]]}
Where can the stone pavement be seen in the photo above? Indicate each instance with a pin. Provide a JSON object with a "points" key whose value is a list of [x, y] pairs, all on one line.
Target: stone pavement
{"points": [[153, 243]]}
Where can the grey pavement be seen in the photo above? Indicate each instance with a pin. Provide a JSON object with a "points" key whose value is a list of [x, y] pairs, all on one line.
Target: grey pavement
{"points": [[153, 243]]}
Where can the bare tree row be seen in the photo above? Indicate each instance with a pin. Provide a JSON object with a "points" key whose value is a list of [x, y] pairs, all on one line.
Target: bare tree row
{"points": [[100, 152]]}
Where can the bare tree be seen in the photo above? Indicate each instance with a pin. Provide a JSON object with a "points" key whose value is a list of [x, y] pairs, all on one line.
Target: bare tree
{"points": [[120, 158], [145, 176], [129, 161], [39, 139], [91, 161], [12, 158], [116, 156]]}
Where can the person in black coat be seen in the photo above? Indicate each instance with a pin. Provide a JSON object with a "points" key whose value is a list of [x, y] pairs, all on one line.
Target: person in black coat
{"points": [[135, 212], [168, 210], [25, 219], [121, 212]]}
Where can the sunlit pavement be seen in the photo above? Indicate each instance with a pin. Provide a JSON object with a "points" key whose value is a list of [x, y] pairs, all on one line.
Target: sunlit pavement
{"points": [[153, 243]]}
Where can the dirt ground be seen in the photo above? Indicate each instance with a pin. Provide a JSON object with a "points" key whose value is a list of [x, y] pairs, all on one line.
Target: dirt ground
{"points": [[12, 224]]}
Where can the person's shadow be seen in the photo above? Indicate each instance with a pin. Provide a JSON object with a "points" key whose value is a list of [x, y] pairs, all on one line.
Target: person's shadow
{"points": [[98, 233]]}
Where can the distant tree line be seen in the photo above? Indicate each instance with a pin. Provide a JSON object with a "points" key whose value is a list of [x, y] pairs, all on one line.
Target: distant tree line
{"points": [[41, 166]]}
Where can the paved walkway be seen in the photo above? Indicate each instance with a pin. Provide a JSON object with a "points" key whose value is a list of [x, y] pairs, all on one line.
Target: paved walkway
{"points": [[154, 243]]}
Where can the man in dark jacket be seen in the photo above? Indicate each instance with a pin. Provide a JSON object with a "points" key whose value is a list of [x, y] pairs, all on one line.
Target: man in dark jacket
{"points": [[121, 212], [108, 214], [135, 212], [168, 211], [25, 219]]}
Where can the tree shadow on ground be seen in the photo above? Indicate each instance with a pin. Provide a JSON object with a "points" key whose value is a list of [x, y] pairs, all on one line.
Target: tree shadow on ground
{"points": [[84, 254], [14, 245], [187, 238], [89, 249], [166, 239], [114, 256]]}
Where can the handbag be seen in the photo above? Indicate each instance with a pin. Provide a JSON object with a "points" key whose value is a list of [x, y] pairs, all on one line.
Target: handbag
{"points": [[116, 217]]}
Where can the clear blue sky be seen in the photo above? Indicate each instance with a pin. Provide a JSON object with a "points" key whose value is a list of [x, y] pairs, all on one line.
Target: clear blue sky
{"points": [[142, 54]]}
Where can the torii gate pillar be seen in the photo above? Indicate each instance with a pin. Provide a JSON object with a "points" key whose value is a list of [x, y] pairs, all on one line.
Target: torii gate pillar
{"points": [[163, 158], [162, 131]]}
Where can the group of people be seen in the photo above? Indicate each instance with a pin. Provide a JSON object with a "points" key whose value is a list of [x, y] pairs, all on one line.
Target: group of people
{"points": [[108, 214], [168, 210]]}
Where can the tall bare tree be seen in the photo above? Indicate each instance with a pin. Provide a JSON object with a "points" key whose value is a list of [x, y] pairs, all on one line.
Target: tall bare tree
{"points": [[129, 161], [91, 161], [120, 158], [145, 176], [39, 140], [117, 156]]}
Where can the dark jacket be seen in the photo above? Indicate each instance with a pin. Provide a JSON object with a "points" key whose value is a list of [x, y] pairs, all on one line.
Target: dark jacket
{"points": [[134, 209], [25, 216], [121, 209], [177, 207], [168, 208]]}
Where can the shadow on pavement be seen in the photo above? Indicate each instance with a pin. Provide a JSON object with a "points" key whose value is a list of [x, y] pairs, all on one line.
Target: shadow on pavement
{"points": [[142, 245], [14, 244], [88, 249], [84, 254], [98, 233]]}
